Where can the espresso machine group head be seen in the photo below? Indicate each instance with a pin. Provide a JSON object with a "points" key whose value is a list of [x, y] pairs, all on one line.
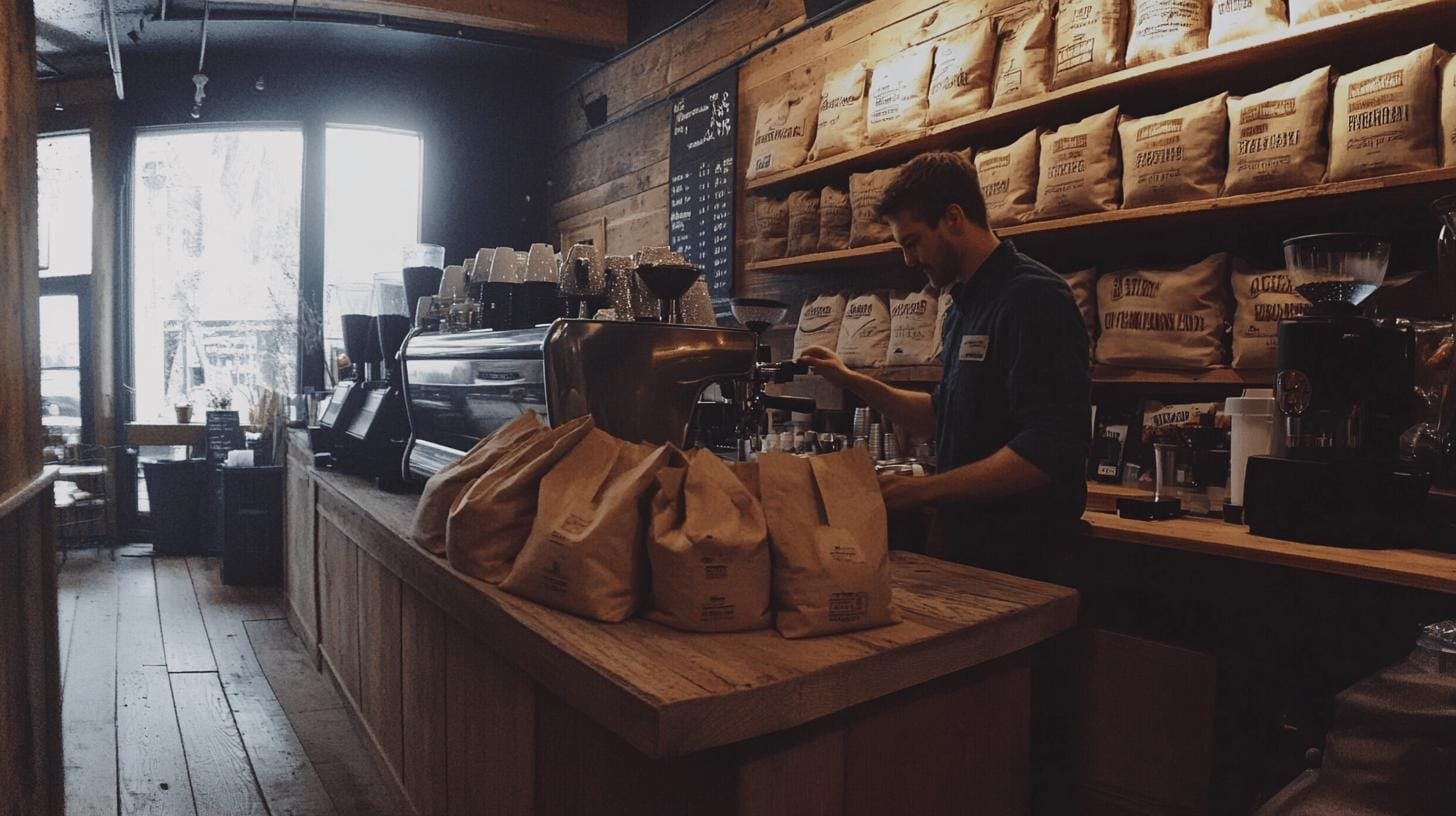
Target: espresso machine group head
{"points": [[1344, 389]]}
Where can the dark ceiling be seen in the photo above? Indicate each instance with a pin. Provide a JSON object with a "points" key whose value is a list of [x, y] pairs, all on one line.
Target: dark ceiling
{"points": [[71, 39]]}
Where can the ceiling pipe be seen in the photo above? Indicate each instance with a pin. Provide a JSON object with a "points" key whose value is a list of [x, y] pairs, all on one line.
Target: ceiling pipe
{"points": [[113, 49]]}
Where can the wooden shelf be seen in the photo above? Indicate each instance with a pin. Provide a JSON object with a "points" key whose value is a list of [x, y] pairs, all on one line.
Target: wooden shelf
{"points": [[1267, 58], [1413, 184], [1101, 375]]}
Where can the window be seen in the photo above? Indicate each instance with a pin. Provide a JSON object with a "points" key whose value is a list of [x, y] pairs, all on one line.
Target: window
{"points": [[63, 165], [372, 192], [60, 370], [215, 267]]}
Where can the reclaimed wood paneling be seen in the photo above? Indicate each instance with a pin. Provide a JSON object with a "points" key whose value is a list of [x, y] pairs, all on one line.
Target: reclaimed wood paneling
{"points": [[379, 657], [422, 652], [339, 604], [490, 733], [301, 571]]}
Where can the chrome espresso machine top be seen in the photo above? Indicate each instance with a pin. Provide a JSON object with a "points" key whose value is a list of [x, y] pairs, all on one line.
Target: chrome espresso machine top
{"points": [[641, 381]]}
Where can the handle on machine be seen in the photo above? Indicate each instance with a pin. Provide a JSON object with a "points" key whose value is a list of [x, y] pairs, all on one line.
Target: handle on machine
{"points": [[802, 405]]}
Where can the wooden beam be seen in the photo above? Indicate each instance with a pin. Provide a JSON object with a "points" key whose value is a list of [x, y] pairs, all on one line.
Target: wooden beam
{"points": [[583, 22]]}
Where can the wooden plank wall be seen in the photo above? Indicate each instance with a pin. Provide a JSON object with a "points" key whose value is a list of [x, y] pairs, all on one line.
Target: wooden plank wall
{"points": [[618, 172]]}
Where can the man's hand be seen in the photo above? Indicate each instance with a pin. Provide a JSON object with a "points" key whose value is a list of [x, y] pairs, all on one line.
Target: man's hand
{"points": [[905, 492], [826, 364]]}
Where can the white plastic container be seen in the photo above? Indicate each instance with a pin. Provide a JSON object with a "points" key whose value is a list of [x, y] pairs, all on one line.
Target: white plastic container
{"points": [[1251, 434]]}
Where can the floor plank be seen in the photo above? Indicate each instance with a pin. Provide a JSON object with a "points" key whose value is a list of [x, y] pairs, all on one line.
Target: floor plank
{"points": [[138, 627], [298, 684], [73, 577], [222, 778], [337, 749], [286, 777], [88, 713], [183, 633], [151, 770]]}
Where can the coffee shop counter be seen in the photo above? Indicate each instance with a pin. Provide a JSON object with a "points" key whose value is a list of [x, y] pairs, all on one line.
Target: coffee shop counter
{"points": [[1408, 567], [478, 701]]}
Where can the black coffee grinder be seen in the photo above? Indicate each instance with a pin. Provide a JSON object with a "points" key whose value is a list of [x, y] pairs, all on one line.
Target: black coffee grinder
{"points": [[361, 344], [378, 431], [1344, 388]]}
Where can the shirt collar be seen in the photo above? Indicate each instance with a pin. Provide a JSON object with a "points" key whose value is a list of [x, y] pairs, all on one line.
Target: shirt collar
{"points": [[990, 277]]}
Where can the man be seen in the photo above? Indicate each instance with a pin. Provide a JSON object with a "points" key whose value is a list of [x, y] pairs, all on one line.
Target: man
{"points": [[1011, 415]]}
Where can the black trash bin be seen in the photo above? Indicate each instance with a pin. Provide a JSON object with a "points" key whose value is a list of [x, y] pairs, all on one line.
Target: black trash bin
{"points": [[176, 492], [251, 522]]}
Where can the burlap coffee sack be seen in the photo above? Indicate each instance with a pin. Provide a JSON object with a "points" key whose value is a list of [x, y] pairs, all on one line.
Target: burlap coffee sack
{"points": [[1448, 112], [768, 227], [1175, 156], [819, 321], [841, 123], [585, 554], [1262, 298], [1385, 118], [1167, 28], [865, 190], [835, 217], [960, 85], [1023, 51], [913, 321], [1305, 11], [491, 518], [708, 548], [1081, 168], [432, 514], [803, 208], [1083, 284], [1008, 180], [1237, 19], [897, 97], [1278, 138], [782, 133], [1090, 40], [864, 333], [1164, 318], [828, 535]]}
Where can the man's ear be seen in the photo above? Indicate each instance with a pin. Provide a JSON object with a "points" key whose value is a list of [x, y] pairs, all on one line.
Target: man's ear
{"points": [[955, 219]]}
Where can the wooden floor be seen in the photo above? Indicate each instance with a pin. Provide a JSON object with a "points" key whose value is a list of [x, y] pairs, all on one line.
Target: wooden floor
{"points": [[185, 696]]}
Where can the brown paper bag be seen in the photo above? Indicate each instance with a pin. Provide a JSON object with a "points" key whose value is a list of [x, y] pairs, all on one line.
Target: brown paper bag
{"points": [[433, 512], [828, 535], [708, 549], [585, 553], [490, 519]]}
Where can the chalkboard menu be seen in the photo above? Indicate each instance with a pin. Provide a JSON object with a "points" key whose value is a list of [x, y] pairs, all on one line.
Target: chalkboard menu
{"points": [[223, 433], [700, 167]]}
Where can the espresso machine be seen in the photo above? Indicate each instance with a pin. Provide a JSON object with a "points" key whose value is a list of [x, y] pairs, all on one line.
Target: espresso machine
{"points": [[642, 381], [1344, 389]]}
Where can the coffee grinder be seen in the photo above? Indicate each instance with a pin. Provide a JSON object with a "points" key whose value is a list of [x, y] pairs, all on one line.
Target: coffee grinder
{"points": [[379, 429], [1344, 391], [350, 302]]}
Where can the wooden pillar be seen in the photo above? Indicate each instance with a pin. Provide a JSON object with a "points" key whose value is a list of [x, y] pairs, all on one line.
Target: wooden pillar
{"points": [[31, 772]]}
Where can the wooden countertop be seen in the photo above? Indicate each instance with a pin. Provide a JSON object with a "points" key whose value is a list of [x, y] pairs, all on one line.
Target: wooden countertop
{"points": [[670, 693], [1422, 569]]}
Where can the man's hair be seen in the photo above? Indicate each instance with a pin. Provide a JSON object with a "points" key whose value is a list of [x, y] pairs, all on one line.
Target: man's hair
{"points": [[928, 184]]}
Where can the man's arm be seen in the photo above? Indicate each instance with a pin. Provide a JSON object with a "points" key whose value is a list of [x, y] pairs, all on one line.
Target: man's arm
{"points": [[1003, 473], [910, 411]]}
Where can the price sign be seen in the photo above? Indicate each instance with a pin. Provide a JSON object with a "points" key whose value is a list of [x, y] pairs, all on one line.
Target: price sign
{"points": [[701, 180]]}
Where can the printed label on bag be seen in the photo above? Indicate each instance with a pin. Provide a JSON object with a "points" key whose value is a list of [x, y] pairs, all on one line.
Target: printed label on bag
{"points": [[847, 606], [974, 347]]}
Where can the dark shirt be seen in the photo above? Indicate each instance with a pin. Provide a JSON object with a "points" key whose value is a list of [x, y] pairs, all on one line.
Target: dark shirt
{"points": [[1016, 375]]}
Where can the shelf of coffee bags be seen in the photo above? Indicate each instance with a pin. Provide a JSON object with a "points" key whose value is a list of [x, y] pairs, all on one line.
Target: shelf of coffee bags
{"points": [[1255, 61], [1420, 184]]}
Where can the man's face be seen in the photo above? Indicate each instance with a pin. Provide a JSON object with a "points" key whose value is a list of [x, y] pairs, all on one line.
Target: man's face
{"points": [[931, 249]]}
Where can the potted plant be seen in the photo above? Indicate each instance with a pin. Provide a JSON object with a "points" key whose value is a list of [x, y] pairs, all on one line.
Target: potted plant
{"points": [[184, 412]]}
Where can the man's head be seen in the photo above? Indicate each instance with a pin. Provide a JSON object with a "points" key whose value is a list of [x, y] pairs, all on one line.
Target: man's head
{"points": [[936, 213]]}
